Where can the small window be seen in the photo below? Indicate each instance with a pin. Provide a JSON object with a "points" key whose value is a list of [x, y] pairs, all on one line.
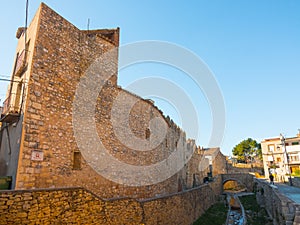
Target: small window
{"points": [[278, 159], [77, 161], [294, 158], [295, 143], [271, 148], [147, 133]]}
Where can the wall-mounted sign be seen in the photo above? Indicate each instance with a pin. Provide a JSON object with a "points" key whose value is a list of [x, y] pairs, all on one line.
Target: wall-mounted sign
{"points": [[37, 155]]}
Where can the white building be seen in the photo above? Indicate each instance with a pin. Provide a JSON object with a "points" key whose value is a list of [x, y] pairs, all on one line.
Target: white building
{"points": [[281, 156]]}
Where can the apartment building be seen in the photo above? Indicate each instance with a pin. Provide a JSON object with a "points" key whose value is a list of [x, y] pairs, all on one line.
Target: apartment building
{"points": [[281, 156]]}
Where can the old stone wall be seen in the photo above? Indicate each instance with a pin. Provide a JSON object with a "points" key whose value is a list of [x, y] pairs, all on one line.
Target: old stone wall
{"points": [[77, 205], [199, 165], [244, 168], [219, 164], [61, 54], [65, 206], [182, 208], [280, 208], [296, 181]]}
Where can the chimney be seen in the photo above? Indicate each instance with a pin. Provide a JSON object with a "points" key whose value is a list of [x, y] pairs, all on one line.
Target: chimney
{"points": [[298, 135]]}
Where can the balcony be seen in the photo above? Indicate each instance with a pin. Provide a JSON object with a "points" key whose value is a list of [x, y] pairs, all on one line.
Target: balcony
{"points": [[273, 165], [293, 149], [10, 113], [20, 63]]}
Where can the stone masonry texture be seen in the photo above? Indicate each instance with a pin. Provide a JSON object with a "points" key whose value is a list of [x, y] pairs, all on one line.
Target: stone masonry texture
{"points": [[62, 187], [79, 206], [60, 55], [280, 208]]}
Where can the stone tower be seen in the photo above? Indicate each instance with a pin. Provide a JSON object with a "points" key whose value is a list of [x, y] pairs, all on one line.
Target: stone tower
{"points": [[38, 147]]}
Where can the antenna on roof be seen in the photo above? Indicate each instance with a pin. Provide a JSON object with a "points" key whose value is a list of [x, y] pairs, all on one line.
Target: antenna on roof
{"points": [[88, 24]]}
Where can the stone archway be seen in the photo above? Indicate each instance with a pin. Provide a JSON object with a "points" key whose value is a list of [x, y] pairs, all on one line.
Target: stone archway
{"points": [[233, 185], [242, 178]]}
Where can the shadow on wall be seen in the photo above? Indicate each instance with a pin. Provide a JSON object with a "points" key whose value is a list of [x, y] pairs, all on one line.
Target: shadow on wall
{"points": [[3, 167]]}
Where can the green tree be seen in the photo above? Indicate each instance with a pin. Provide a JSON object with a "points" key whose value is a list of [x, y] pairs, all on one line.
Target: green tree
{"points": [[247, 149]]}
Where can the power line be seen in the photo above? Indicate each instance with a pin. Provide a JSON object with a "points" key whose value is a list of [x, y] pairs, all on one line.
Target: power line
{"points": [[9, 80]]}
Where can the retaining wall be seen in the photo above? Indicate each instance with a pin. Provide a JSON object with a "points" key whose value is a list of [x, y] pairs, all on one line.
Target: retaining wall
{"points": [[79, 206], [296, 181], [280, 208]]}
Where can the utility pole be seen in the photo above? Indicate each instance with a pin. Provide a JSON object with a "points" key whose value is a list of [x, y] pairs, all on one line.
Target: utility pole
{"points": [[287, 158]]}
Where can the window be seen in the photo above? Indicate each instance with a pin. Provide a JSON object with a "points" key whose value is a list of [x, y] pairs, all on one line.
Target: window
{"points": [[76, 161], [20, 64], [295, 143], [294, 158], [271, 148], [147, 134], [21, 61], [278, 159], [270, 158]]}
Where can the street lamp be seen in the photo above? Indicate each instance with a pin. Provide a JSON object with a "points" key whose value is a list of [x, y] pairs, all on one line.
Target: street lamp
{"points": [[287, 158]]}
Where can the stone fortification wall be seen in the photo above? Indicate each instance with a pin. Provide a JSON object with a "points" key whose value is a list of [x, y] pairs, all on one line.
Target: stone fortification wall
{"points": [[62, 54], [77, 205]]}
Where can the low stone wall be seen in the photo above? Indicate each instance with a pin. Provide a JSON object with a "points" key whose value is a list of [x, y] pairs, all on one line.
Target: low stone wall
{"points": [[79, 206], [244, 168], [183, 208], [280, 208], [296, 181], [65, 206]]}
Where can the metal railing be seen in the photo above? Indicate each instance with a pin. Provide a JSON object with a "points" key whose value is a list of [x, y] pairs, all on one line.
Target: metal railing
{"points": [[9, 106]]}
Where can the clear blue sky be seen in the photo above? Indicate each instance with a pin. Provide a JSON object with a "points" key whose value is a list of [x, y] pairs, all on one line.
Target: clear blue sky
{"points": [[252, 47]]}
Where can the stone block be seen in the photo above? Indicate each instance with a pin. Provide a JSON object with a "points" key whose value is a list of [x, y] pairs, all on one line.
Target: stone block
{"points": [[289, 217]]}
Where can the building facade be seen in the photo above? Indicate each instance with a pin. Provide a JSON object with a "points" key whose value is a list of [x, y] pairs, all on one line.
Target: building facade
{"points": [[281, 156], [38, 144]]}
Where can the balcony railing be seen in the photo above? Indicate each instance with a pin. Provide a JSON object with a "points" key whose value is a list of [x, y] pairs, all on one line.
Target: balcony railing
{"points": [[10, 112], [273, 165]]}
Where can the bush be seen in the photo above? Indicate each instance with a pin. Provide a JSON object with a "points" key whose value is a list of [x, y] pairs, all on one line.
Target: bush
{"points": [[296, 173]]}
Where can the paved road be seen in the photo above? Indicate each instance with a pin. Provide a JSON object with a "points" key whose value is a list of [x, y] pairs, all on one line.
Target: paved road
{"points": [[291, 192]]}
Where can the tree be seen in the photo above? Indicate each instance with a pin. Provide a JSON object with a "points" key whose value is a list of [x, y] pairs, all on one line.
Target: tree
{"points": [[247, 149]]}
